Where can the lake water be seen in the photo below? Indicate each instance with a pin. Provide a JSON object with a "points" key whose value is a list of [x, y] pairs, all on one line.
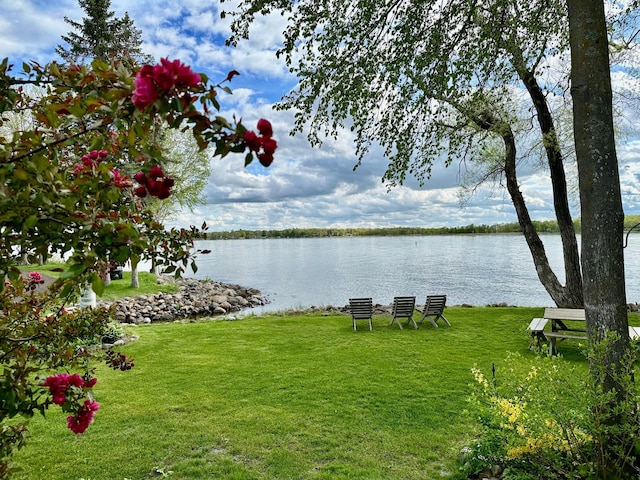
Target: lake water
{"points": [[471, 269]]}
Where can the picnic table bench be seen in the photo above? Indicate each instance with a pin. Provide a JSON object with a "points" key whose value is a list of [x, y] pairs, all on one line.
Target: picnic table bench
{"points": [[566, 323]]}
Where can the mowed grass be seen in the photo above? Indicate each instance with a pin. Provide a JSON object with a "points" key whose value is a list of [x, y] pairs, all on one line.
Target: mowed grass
{"points": [[285, 397], [118, 288]]}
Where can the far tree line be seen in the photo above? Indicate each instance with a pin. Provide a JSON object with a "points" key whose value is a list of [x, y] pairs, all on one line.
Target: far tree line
{"points": [[543, 226]]}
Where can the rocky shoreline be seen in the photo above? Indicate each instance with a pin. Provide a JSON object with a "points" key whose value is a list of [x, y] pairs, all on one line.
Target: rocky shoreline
{"points": [[208, 298], [194, 299]]}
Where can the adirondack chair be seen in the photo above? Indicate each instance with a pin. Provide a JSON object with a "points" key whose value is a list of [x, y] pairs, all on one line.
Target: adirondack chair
{"points": [[361, 309], [433, 308], [403, 307]]}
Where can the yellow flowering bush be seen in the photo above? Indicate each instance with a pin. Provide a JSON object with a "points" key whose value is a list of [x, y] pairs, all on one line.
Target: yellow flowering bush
{"points": [[535, 418], [543, 417]]}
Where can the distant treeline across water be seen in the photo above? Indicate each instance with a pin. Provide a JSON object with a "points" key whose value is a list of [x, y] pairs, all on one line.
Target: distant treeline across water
{"points": [[544, 226]]}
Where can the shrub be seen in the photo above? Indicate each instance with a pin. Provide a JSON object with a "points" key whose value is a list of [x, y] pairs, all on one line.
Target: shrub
{"points": [[544, 418]]}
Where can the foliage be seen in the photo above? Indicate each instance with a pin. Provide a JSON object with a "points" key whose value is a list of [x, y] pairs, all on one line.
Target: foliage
{"points": [[189, 168], [545, 419], [63, 193], [38, 334], [411, 81]]}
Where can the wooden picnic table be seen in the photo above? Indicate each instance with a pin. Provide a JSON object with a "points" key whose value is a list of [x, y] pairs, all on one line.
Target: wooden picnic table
{"points": [[566, 324]]}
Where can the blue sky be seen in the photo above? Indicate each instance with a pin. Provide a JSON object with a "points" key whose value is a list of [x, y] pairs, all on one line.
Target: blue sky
{"points": [[304, 187]]}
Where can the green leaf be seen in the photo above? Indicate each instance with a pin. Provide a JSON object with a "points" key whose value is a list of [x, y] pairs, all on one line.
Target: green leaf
{"points": [[75, 269], [97, 143], [20, 174], [97, 284], [248, 159], [30, 222]]}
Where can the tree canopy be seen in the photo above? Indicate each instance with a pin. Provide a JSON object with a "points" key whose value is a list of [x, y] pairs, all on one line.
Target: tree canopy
{"points": [[411, 76]]}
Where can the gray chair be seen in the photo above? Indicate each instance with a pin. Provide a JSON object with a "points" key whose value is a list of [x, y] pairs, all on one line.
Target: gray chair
{"points": [[361, 309], [403, 307], [433, 308]]}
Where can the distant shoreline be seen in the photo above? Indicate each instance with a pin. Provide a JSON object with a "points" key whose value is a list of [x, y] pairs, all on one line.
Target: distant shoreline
{"points": [[541, 226]]}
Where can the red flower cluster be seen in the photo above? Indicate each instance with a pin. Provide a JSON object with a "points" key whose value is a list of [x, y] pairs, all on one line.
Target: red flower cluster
{"points": [[152, 81], [79, 422], [155, 183], [59, 385], [94, 156], [90, 160], [263, 145], [62, 387], [33, 280], [35, 277], [120, 181]]}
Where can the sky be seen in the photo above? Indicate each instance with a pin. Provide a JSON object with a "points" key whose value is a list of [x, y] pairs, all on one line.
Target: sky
{"points": [[305, 187]]}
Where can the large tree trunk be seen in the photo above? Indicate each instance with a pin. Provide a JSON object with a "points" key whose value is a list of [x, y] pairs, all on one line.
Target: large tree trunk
{"points": [[571, 295], [601, 203]]}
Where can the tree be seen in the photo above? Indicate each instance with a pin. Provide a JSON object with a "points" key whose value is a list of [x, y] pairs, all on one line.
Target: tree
{"points": [[438, 82], [601, 204], [101, 34], [189, 168], [63, 192]]}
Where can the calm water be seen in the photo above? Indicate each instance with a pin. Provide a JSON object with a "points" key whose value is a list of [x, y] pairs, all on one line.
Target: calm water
{"points": [[472, 269]]}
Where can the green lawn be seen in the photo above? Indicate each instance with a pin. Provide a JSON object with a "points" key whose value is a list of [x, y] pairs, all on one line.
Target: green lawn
{"points": [[286, 397], [117, 288]]}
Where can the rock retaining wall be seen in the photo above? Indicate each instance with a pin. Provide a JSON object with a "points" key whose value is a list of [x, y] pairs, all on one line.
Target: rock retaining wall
{"points": [[195, 298]]}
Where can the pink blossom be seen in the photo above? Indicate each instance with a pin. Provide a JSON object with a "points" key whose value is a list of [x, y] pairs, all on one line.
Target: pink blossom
{"points": [[146, 91], [264, 127], [141, 178], [153, 187], [163, 193], [265, 159], [58, 385], [252, 140], [151, 82], [269, 145], [141, 191], [35, 277], [119, 180], [264, 146], [89, 383], [155, 183], [79, 422], [156, 172], [75, 380], [180, 75]]}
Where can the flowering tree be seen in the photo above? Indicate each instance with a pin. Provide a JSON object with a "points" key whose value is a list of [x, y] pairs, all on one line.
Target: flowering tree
{"points": [[63, 192]]}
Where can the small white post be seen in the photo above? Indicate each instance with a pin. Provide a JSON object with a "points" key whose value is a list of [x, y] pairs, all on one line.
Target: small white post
{"points": [[88, 298]]}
